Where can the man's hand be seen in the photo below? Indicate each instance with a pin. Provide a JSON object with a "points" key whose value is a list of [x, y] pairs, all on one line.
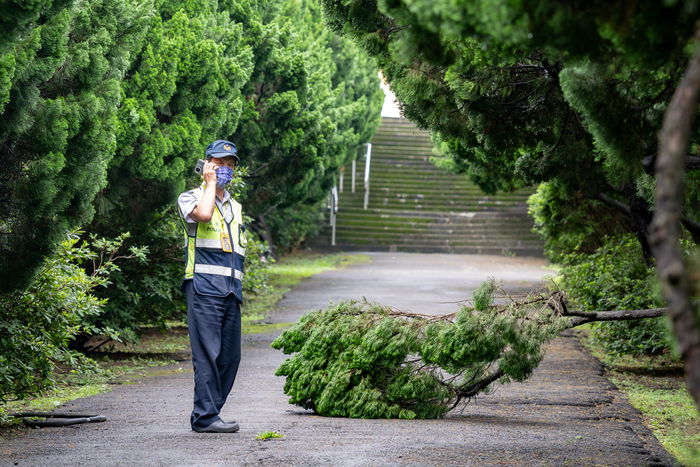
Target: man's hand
{"points": [[205, 208], [209, 173]]}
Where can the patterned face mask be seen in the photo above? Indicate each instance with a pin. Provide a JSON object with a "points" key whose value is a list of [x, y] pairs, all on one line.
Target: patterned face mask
{"points": [[224, 175]]}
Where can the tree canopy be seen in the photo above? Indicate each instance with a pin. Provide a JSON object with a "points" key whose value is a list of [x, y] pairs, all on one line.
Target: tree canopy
{"points": [[106, 107], [60, 67], [311, 101], [568, 95]]}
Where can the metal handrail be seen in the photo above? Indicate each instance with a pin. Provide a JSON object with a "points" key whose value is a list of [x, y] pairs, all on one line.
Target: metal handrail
{"points": [[354, 169], [333, 206], [368, 158]]}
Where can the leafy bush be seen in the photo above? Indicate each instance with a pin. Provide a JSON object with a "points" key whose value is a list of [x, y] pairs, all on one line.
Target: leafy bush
{"points": [[147, 292], [570, 224], [257, 260], [615, 277], [37, 325], [291, 227], [360, 359]]}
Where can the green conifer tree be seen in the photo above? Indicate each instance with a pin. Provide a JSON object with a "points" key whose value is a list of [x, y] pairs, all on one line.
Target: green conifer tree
{"points": [[182, 92], [193, 82], [61, 65], [311, 101], [523, 93], [568, 93]]}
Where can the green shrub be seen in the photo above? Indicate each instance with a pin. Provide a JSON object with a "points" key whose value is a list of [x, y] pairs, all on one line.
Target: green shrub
{"points": [[615, 277], [38, 324], [147, 292], [257, 261], [291, 227], [569, 223]]}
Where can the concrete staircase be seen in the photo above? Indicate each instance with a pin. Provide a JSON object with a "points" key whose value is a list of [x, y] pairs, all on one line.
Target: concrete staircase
{"points": [[416, 207]]}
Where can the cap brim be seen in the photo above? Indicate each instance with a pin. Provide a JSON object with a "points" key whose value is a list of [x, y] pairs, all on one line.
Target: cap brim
{"points": [[218, 155]]}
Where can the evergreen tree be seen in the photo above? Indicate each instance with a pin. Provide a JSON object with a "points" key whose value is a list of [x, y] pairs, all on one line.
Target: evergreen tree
{"points": [[568, 93], [311, 101], [61, 65], [524, 93], [193, 82], [182, 92]]}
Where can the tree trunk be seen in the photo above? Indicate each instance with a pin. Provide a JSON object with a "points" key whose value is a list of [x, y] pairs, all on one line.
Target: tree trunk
{"points": [[693, 227], [580, 318], [638, 211], [641, 216], [665, 229], [267, 236]]}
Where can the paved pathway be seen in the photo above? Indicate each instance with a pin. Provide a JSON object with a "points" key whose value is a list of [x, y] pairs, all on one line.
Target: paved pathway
{"points": [[567, 414]]}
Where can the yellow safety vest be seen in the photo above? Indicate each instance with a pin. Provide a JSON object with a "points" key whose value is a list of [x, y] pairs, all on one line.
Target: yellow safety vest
{"points": [[216, 251]]}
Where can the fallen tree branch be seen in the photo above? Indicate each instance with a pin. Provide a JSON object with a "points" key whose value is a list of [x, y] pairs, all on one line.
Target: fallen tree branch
{"points": [[416, 365], [581, 317], [474, 389]]}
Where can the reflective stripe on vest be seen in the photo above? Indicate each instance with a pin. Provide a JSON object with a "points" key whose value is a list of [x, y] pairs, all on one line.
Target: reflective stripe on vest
{"points": [[214, 271], [216, 243]]}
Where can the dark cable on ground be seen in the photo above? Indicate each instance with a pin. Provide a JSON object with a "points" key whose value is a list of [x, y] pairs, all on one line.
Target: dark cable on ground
{"points": [[57, 419]]}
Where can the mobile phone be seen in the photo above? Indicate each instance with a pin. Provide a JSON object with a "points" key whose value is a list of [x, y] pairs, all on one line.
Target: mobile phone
{"points": [[199, 168]]}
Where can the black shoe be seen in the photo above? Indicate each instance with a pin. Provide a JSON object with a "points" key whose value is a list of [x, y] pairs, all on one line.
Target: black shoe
{"points": [[218, 426]]}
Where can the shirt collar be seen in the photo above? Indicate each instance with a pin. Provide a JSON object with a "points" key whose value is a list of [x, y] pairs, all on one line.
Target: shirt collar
{"points": [[227, 195]]}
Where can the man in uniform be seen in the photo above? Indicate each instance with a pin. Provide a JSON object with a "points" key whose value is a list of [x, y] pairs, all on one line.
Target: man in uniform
{"points": [[215, 246]]}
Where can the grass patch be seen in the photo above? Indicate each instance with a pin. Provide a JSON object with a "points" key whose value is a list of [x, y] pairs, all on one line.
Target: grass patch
{"points": [[290, 270], [268, 435], [655, 385], [154, 341], [668, 411]]}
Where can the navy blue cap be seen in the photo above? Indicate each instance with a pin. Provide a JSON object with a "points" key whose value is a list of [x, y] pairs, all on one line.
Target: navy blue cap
{"points": [[222, 148]]}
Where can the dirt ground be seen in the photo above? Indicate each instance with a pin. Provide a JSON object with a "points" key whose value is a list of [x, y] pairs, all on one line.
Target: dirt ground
{"points": [[566, 414]]}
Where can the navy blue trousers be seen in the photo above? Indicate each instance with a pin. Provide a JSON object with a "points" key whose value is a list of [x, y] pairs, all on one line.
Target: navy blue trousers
{"points": [[215, 336]]}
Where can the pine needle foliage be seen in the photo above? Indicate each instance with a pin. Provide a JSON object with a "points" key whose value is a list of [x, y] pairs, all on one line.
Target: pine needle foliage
{"points": [[364, 360], [517, 94], [60, 90]]}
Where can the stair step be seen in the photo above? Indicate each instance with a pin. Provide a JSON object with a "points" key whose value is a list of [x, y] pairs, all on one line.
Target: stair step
{"points": [[414, 206]]}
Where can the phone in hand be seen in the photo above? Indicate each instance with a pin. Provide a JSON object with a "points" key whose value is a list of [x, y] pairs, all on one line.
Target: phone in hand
{"points": [[199, 168]]}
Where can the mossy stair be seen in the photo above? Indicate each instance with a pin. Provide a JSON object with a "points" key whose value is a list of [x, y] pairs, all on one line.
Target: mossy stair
{"points": [[416, 207]]}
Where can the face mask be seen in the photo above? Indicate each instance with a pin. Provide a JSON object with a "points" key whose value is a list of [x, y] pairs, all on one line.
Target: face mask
{"points": [[224, 175]]}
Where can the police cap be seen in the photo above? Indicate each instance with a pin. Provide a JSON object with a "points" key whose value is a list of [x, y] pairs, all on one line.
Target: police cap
{"points": [[222, 148]]}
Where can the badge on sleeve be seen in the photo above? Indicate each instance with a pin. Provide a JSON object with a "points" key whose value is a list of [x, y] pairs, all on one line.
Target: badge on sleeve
{"points": [[226, 242]]}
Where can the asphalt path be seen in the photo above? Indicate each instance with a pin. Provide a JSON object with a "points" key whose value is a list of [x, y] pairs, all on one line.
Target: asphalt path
{"points": [[566, 414]]}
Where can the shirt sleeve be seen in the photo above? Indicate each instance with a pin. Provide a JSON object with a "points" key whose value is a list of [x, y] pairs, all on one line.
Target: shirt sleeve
{"points": [[186, 203]]}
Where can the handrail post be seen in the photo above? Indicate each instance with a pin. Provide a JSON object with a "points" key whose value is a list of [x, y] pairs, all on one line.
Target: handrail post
{"points": [[368, 158], [334, 210], [354, 169]]}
